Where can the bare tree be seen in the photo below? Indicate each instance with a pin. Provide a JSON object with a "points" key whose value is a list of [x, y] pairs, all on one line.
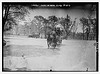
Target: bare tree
{"points": [[88, 21], [66, 23], [12, 14]]}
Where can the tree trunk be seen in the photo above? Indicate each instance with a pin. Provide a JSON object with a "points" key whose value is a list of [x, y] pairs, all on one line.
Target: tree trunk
{"points": [[87, 36], [5, 16], [83, 31], [45, 34], [45, 29]]}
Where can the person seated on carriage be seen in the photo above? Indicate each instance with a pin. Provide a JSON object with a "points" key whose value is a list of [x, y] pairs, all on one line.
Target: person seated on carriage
{"points": [[51, 35], [58, 29]]}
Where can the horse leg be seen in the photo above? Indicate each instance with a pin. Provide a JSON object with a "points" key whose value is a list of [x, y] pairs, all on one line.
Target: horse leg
{"points": [[48, 44]]}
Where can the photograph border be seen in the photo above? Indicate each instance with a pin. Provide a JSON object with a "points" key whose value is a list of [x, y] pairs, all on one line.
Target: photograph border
{"points": [[97, 34]]}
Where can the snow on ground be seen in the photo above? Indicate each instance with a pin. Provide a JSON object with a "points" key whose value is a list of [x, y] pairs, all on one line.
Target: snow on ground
{"points": [[32, 54]]}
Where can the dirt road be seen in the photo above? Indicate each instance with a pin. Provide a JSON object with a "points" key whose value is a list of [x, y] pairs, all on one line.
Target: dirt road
{"points": [[22, 53]]}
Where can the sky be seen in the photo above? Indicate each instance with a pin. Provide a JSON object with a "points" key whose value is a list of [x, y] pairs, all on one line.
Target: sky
{"points": [[45, 12], [76, 12]]}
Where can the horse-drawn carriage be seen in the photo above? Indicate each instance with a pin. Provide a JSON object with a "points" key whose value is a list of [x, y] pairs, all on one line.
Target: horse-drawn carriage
{"points": [[54, 37], [53, 40]]}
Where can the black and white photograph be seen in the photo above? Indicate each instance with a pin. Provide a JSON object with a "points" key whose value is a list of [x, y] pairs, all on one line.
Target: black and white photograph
{"points": [[50, 36]]}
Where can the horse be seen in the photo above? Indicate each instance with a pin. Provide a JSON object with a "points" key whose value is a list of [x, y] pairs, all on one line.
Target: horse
{"points": [[51, 40]]}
